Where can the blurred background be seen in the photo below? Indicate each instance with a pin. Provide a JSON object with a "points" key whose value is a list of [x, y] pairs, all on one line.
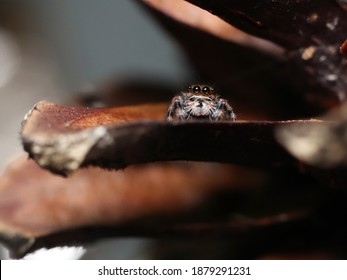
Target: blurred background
{"points": [[50, 49]]}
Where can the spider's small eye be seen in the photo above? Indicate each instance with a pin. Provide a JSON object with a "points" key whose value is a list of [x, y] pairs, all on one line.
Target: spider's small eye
{"points": [[206, 90], [196, 89]]}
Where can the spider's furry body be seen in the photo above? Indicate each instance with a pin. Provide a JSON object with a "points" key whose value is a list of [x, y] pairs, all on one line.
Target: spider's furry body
{"points": [[200, 102]]}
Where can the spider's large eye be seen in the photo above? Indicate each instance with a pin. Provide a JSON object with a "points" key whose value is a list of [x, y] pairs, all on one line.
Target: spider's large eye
{"points": [[206, 90], [196, 89]]}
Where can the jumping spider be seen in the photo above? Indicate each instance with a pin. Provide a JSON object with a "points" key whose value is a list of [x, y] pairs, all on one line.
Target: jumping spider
{"points": [[200, 102]]}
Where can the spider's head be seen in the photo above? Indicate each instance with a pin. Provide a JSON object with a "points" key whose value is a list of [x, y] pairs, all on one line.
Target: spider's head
{"points": [[200, 101]]}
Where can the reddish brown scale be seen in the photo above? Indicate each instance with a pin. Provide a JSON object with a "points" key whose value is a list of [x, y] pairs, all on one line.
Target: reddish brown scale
{"points": [[343, 49]]}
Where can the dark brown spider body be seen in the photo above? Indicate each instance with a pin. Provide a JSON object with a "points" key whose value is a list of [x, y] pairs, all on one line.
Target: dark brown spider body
{"points": [[200, 102]]}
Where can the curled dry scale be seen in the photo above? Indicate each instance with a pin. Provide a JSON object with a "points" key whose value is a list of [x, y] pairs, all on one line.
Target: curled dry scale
{"points": [[270, 185]]}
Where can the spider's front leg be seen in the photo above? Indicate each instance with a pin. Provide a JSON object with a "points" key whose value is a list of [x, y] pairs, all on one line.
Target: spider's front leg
{"points": [[174, 108], [223, 111]]}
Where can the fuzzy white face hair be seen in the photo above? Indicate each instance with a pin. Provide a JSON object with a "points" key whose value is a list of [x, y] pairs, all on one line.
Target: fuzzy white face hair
{"points": [[199, 105]]}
